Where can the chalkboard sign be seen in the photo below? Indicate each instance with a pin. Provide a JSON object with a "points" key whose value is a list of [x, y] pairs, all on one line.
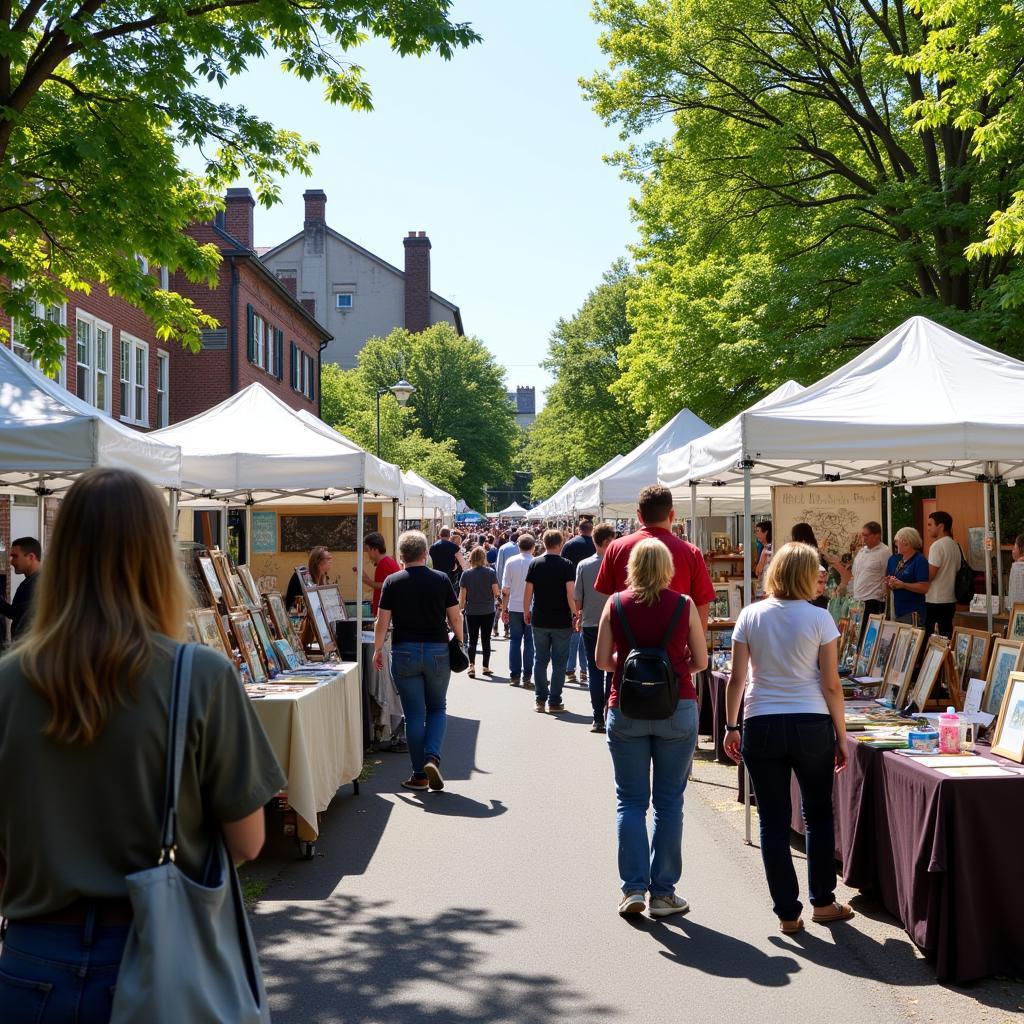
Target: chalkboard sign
{"points": [[264, 533], [336, 533]]}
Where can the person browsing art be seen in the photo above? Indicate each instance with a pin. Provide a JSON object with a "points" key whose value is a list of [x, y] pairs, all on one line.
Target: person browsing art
{"points": [[513, 588], [478, 591], [868, 571], [943, 562], [907, 577], [26, 560]]}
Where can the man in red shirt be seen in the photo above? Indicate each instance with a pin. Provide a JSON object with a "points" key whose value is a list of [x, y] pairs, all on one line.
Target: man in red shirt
{"points": [[384, 565], [656, 513]]}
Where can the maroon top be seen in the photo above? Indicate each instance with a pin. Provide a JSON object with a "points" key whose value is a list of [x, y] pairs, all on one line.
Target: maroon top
{"points": [[691, 576], [649, 623]]}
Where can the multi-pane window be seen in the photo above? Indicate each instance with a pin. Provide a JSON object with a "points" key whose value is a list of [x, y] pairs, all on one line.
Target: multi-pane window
{"points": [[102, 332], [165, 279], [163, 364], [19, 335], [134, 380]]}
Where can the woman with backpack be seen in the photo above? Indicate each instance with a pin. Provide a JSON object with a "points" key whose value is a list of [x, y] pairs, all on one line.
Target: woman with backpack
{"points": [[651, 640], [793, 722]]}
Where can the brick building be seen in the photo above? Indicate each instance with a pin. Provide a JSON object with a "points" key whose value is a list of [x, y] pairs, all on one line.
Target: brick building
{"points": [[266, 334], [355, 294]]}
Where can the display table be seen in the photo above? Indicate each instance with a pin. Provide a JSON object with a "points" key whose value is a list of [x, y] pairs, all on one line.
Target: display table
{"points": [[941, 852], [714, 697], [317, 738]]}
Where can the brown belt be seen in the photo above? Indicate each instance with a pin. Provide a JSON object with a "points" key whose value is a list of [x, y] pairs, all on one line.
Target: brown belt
{"points": [[116, 911]]}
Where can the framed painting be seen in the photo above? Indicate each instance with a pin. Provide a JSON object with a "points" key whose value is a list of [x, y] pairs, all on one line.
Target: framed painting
{"points": [[245, 599], [931, 668], [209, 574], [230, 593], [286, 656], [280, 619], [970, 649], [334, 607], [892, 680], [249, 583], [719, 608], [735, 600], [315, 614], [210, 630], [887, 633], [1015, 630], [1006, 658], [867, 644], [721, 543], [248, 645], [266, 646], [1008, 738]]}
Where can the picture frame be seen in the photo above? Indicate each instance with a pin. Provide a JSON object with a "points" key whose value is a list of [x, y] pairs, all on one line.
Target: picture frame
{"points": [[887, 633], [721, 543], [210, 630], [1015, 628], [245, 598], [281, 621], [931, 668], [209, 573], [1006, 658], [867, 644], [287, 656], [981, 651], [266, 643], [1008, 736], [333, 605], [735, 600], [229, 593], [248, 645], [245, 574], [719, 608], [970, 649], [315, 614], [901, 662]]}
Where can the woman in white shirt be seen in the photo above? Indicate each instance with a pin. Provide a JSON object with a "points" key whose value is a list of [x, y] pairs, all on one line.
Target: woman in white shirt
{"points": [[792, 722]]}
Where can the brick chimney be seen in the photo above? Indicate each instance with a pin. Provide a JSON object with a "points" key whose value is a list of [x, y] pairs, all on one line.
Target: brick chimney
{"points": [[238, 207], [314, 223], [417, 281]]}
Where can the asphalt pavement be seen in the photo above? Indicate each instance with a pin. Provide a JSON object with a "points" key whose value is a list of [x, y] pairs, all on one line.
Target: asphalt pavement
{"points": [[495, 901]]}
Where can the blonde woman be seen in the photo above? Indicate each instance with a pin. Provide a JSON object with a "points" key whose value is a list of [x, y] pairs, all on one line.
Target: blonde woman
{"points": [[83, 723], [478, 591], [785, 669], [651, 865]]}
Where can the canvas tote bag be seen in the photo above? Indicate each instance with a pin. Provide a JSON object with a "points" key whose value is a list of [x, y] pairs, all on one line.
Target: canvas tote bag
{"points": [[190, 954]]}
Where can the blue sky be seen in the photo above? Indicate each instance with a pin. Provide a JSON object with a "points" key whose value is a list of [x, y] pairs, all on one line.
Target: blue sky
{"points": [[495, 155]]}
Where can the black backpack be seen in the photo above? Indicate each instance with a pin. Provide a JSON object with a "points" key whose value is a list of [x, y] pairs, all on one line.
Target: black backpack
{"points": [[649, 687], [963, 583]]}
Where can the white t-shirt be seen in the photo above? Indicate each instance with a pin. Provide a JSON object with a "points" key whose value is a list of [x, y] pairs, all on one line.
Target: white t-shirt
{"points": [[513, 580], [869, 572], [944, 553], [784, 638], [1015, 586]]}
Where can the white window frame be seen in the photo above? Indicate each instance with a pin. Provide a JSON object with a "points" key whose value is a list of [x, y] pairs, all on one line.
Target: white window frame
{"points": [[268, 333], [338, 305], [93, 372], [163, 405], [134, 387], [259, 328], [143, 262], [22, 352], [165, 279]]}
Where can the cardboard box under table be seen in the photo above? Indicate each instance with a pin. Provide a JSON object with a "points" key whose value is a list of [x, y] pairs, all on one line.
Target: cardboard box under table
{"points": [[317, 737]]}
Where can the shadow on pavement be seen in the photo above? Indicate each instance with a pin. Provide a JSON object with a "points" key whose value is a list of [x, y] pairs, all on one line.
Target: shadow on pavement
{"points": [[453, 805], [375, 964]]}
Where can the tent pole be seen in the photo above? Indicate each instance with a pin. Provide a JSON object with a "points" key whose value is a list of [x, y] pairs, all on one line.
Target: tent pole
{"points": [[394, 525], [693, 513], [999, 536], [359, 583], [172, 510], [747, 569], [988, 555], [224, 528], [890, 533], [248, 535]]}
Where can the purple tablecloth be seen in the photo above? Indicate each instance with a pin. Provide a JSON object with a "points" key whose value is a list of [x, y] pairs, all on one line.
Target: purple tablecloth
{"points": [[713, 697], [943, 853]]}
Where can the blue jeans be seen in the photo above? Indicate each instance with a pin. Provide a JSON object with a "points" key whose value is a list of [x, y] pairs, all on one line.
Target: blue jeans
{"points": [[600, 682], [59, 973], [422, 672], [774, 747], [552, 645], [520, 647], [636, 744], [574, 653]]}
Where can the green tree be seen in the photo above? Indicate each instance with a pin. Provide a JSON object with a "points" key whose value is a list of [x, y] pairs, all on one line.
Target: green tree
{"points": [[584, 421], [348, 404], [796, 210], [97, 100], [460, 394]]}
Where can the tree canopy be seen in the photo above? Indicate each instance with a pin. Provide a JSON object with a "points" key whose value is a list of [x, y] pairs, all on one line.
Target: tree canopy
{"points": [[585, 420], [459, 415], [809, 194], [98, 100]]}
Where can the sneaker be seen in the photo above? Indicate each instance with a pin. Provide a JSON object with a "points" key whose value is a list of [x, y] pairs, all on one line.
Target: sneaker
{"points": [[513, 681], [434, 777], [631, 903], [598, 726], [570, 677], [414, 782], [583, 678], [539, 708], [527, 684], [555, 709], [662, 906], [833, 912], [487, 671]]}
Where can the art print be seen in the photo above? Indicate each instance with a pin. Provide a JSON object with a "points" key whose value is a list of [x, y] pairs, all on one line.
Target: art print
{"points": [[245, 637], [249, 583], [883, 648], [210, 577], [1008, 737], [209, 630], [931, 666], [259, 624], [1006, 658], [1015, 630], [867, 647], [315, 613], [334, 607], [719, 608]]}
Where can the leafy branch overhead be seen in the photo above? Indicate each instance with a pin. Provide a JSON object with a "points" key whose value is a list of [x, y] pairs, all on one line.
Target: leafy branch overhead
{"points": [[98, 99]]}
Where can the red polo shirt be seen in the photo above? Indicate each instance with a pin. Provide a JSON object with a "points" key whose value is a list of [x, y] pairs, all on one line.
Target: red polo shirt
{"points": [[385, 567], [691, 576]]}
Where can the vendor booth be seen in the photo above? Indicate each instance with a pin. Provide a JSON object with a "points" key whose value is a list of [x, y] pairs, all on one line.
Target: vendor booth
{"points": [[558, 504], [513, 511]]}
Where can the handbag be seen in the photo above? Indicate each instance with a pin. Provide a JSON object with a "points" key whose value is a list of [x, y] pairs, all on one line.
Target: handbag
{"points": [[963, 581], [457, 657], [190, 954]]}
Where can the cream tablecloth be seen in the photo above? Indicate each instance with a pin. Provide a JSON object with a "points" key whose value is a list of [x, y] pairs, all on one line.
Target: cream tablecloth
{"points": [[317, 737]]}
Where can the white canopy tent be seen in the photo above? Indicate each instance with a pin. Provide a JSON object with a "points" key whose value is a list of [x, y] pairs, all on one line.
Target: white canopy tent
{"points": [[922, 405], [423, 500], [513, 511], [614, 489], [49, 436], [557, 504]]}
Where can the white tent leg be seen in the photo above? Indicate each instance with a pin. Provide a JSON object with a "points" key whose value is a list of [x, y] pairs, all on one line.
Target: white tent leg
{"points": [[394, 525], [172, 510], [41, 517], [693, 513], [359, 584], [224, 529], [747, 570], [988, 555], [889, 532], [999, 537], [247, 553]]}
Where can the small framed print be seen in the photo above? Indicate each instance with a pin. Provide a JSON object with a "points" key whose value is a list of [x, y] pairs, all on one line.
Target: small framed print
{"points": [[970, 649], [280, 619], [1008, 738], [334, 607], [244, 596], [867, 645], [248, 645], [887, 633], [206, 567], [1006, 658], [229, 591], [931, 669], [259, 624], [245, 575], [735, 600], [210, 630], [721, 543], [315, 614], [720, 606], [1015, 630]]}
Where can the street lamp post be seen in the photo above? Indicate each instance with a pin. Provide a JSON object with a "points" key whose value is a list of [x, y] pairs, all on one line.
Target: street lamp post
{"points": [[402, 391]]}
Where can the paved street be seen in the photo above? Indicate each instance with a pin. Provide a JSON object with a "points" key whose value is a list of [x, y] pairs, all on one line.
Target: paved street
{"points": [[495, 902]]}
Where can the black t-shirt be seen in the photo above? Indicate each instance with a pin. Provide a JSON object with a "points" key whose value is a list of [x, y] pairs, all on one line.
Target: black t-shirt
{"points": [[442, 556], [294, 591], [418, 599], [549, 574], [579, 548]]}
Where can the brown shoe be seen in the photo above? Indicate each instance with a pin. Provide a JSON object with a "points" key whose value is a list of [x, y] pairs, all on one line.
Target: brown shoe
{"points": [[434, 777], [835, 912], [415, 783], [791, 927], [487, 671]]}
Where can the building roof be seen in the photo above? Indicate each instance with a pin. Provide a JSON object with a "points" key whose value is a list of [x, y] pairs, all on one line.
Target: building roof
{"points": [[264, 253]]}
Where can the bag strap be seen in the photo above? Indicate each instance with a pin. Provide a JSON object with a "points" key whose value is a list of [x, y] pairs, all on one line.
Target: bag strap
{"points": [[177, 735], [963, 558], [674, 621], [621, 612]]}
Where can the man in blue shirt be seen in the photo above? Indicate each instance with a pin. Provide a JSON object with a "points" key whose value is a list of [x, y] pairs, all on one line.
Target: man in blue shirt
{"points": [[580, 547], [505, 552]]}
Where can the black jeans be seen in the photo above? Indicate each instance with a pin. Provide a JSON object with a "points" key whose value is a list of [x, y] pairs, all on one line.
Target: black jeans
{"points": [[773, 747], [941, 616], [480, 627]]}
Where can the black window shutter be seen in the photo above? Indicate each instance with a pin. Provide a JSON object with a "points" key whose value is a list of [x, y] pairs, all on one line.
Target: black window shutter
{"points": [[279, 353], [293, 367], [250, 333]]}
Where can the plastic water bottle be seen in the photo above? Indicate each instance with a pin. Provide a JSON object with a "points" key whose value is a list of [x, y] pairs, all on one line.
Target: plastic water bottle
{"points": [[949, 732]]}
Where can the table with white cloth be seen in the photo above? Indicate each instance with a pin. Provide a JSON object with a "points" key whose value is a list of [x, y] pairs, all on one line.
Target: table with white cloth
{"points": [[316, 735]]}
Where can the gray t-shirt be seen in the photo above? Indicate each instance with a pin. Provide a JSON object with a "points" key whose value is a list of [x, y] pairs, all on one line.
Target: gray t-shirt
{"points": [[74, 820], [593, 600], [479, 585]]}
